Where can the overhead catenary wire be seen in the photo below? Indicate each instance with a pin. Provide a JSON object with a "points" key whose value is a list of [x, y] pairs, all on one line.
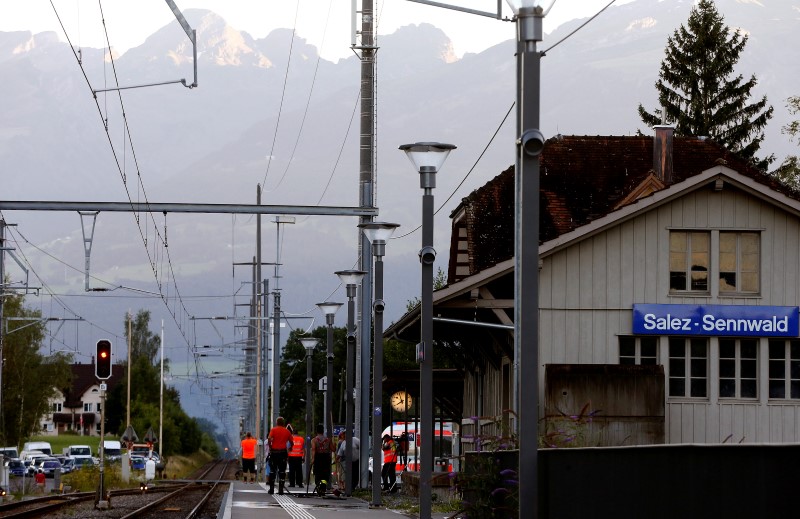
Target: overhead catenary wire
{"points": [[121, 170]]}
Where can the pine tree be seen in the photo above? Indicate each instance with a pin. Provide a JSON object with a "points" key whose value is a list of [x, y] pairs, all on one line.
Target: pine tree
{"points": [[699, 92]]}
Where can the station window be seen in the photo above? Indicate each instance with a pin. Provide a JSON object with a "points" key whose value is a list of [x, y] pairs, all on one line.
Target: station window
{"points": [[784, 368], [689, 261], [638, 350], [739, 254], [688, 367], [738, 368], [56, 407]]}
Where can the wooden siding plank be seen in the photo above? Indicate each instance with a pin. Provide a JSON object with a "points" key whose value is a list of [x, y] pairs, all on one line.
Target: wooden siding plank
{"points": [[626, 265], [776, 258], [613, 268], [599, 280], [572, 287], [639, 253]]}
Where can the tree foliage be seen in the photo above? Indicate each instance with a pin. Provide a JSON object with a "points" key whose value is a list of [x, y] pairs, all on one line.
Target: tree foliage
{"points": [[789, 170], [701, 94], [181, 433], [293, 376], [29, 379]]}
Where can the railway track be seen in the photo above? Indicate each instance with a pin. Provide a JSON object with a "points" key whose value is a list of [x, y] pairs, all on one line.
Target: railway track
{"points": [[196, 498]]}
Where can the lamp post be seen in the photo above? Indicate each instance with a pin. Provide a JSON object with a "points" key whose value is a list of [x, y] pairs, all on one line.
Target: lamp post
{"points": [[309, 343], [427, 158], [377, 233], [351, 279], [329, 309], [529, 15]]}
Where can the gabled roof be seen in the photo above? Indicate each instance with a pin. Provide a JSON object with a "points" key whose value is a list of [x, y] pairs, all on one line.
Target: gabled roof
{"points": [[83, 379], [583, 178], [587, 184]]}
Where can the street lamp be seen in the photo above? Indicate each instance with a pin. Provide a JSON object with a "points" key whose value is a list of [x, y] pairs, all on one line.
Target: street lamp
{"points": [[329, 309], [377, 233], [309, 343], [529, 15], [427, 158], [351, 279]]}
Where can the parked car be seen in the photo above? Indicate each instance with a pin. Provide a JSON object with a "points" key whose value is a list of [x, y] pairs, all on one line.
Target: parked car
{"points": [[16, 468], [50, 466], [68, 465], [137, 462]]}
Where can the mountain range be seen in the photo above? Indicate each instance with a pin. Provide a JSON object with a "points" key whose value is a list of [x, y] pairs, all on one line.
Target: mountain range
{"points": [[270, 111]]}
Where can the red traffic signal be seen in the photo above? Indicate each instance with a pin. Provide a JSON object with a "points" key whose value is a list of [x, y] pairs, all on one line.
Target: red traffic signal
{"points": [[102, 364]]}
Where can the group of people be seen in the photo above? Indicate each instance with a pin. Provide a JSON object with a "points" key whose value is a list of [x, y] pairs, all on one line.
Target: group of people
{"points": [[285, 448]]}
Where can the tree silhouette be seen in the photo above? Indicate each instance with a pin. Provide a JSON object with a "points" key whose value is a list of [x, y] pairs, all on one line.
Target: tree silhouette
{"points": [[699, 92]]}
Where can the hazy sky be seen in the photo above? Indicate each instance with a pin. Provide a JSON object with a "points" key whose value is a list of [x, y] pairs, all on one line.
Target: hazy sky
{"points": [[325, 24]]}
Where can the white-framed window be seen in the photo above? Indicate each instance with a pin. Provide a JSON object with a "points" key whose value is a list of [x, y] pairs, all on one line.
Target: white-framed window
{"points": [[738, 368], [739, 262], [689, 260], [87, 407], [56, 407], [98, 408], [688, 367], [638, 350], [784, 368]]}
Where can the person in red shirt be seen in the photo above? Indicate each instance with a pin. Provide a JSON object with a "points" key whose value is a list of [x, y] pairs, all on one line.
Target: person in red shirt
{"points": [[296, 457], [249, 458], [40, 481], [280, 441]]}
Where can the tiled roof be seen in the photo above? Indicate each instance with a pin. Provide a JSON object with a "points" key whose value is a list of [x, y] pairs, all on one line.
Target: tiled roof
{"points": [[83, 378], [582, 178]]}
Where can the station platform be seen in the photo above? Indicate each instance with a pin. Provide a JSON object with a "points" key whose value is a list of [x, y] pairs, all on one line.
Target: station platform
{"points": [[251, 501]]}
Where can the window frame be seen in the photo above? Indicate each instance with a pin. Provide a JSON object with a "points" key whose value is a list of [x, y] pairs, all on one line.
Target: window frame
{"points": [[688, 253], [738, 272], [738, 360], [688, 375], [637, 345], [791, 384]]}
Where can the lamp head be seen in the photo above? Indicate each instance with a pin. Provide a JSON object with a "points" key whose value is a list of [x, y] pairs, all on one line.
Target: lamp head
{"points": [[378, 231], [427, 154], [309, 343], [329, 307], [350, 277]]}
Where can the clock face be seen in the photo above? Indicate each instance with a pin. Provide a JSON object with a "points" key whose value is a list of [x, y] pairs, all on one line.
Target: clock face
{"points": [[401, 401]]}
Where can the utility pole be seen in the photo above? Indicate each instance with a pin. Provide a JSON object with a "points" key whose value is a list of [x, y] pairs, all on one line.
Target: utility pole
{"points": [[2, 299], [366, 199], [259, 342], [276, 346]]}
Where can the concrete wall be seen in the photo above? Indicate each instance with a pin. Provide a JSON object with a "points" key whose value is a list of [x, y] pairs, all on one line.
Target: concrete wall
{"points": [[605, 404]]}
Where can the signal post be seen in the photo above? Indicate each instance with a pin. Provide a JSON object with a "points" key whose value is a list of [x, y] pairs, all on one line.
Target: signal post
{"points": [[102, 370]]}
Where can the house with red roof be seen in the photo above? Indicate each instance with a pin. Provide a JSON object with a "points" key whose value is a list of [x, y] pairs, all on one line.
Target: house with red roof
{"points": [[669, 285]]}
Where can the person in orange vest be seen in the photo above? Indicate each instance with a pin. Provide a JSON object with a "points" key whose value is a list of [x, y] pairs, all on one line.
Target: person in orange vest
{"points": [[296, 457], [388, 474], [280, 441], [249, 458]]}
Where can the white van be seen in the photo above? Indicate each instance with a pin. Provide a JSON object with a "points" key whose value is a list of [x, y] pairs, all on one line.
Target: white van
{"points": [[43, 447], [9, 453], [78, 451], [112, 450]]}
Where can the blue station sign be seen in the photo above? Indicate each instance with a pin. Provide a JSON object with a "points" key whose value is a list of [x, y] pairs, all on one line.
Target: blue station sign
{"points": [[730, 320]]}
